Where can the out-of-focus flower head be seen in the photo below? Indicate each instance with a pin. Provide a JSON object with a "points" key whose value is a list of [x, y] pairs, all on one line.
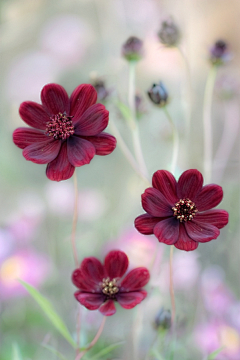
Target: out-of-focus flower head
{"points": [[219, 53], [180, 212], [132, 49], [25, 265], [158, 94], [100, 285], [163, 320], [65, 132], [100, 87], [169, 34]]}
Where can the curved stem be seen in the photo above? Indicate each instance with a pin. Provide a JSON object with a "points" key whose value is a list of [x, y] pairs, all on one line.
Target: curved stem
{"points": [[75, 217], [207, 126], [133, 123], [171, 284], [175, 142], [93, 342]]}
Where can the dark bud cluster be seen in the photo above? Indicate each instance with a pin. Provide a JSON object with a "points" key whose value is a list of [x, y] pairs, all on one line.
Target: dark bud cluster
{"points": [[158, 94], [219, 53], [132, 49], [169, 34]]}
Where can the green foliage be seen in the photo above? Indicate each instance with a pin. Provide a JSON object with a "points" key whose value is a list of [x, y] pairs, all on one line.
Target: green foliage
{"points": [[124, 109], [47, 308], [54, 351], [16, 355], [213, 355], [105, 351]]}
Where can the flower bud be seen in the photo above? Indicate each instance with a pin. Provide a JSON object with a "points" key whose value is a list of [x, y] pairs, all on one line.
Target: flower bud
{"points": [[163, 320], [169, 34], [158, 94], [132, 49], [219, 53], [102, 91]]}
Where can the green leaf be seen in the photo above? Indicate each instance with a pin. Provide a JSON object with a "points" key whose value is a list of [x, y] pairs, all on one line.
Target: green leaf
{"points": [[54, 351], [156, 354], [16, 352], [105, 351], [50, 312], [124, 109], [213, 355]]}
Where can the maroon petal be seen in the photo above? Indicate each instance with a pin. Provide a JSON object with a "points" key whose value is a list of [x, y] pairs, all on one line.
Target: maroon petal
{"points": [[79, 151], [42, 152], [145, 223], [108, 308], [189, 184], [93, 121], [201, 232], [90, 301], [166, 183], [135, 279], [60, 168], [22, 137], [131, 299], [167, 231], [81, 99], [184, 242], [116, 264], [104, 143], [155, 204], [218, 218], [55, 99], [34, 115], [92, 268], [209, 197], [82, 282]]}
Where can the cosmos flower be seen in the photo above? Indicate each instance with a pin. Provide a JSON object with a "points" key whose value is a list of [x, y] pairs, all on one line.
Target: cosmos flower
{"points": [[65, 133], [180, 213], [101, 285]]}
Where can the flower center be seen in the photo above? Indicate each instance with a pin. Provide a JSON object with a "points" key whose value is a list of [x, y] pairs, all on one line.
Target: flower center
{"points": [[60, 126], [184, 210], [109, 287]]}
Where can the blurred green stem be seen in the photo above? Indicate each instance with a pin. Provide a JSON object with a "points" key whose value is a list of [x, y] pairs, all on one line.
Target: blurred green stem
{"points": [[172, 285], [207, 126], [175, 142], [75, 217]]}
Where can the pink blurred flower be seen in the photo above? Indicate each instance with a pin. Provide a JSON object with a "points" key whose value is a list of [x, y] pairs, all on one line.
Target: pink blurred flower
{"points": [[26, 265]]}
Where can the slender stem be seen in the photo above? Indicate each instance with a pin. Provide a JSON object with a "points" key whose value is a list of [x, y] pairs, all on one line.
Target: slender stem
{"points": [[133, 124], [175, 142], [207, 127], [93, 342], [171, 284], [75, 217]]}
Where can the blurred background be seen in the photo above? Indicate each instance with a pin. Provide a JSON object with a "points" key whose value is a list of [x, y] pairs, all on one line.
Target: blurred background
{"points": [[73, 42]]}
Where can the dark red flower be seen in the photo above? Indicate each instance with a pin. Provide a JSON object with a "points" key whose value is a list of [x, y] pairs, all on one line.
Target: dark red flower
{"points": [[65, 132], [178, 213], [101, 285]]}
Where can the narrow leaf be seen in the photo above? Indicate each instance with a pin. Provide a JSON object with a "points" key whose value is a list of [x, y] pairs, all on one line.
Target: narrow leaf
{"points": [[124, 109], [50, 312], [105, 351], [213, 355], [16, 352], [54, 351]]}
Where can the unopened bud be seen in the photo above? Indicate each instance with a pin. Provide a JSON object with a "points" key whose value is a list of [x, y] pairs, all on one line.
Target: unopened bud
{"points": [[219, 53], [132, 49], [163, 320], [102, 91], [169, 34], [158, 94]]}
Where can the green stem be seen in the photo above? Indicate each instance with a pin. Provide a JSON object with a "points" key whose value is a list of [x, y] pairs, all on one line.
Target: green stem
{"points": [[175, 142], [75, 217], [207, 126]]}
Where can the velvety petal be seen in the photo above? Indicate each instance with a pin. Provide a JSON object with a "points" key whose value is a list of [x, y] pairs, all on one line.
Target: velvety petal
{"points": [[90, 301], [166, 183], [55, 99], [60, 168], [34, 115], [108, 308], [135, 279], [167, 231], [201, 232], [92, 268], [79, 151], [131, 299], [116, 263], [189, 184], [84, 283], [81, 99], [93, 121], [104, 143], [155, 204], [42, 152], [218, 218], [209, 197], [184, 242], [22, 137], [145, 223]]}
